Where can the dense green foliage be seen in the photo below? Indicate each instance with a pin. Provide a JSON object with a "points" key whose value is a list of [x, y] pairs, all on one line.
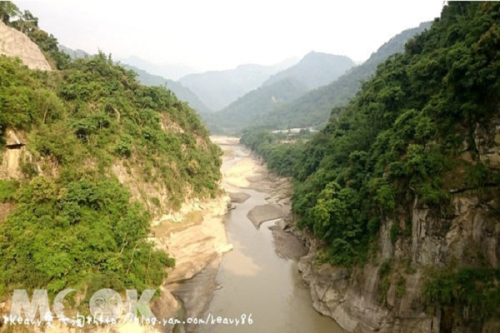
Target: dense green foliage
{"points": [[470, 291], [74, 225], [181, 92], [400, 137], [8, 189], [96, 111], [147, 79], [64, 234], [399, 143], [281, 151]]}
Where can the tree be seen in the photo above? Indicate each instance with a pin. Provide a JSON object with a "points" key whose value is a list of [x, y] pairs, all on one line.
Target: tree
{"points": [[8, 10]]}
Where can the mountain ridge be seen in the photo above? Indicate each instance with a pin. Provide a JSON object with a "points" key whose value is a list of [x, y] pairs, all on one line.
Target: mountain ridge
{"points": [[314, 107], [287, 85], [181, 92], [218, 89], [149, 79], [238, 114], [327, 68]]}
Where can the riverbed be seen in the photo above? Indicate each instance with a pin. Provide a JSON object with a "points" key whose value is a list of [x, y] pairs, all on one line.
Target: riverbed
{"points": [[254, 281]]}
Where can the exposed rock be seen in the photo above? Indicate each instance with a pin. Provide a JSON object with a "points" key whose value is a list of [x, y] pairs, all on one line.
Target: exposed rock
{"points": [[14, 140], [487, 141], [195, 238], [5, 209], [356, 299], [286, 244], [238, 197], [14, 43], [13, 156], [263, 213], [154, 195], [197, 292]]}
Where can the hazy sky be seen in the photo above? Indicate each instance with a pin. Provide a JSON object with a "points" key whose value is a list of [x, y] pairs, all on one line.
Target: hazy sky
{"points": [[219, 34]]}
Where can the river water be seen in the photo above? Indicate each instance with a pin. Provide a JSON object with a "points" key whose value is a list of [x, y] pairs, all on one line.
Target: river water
{"points": [[255, 282]]}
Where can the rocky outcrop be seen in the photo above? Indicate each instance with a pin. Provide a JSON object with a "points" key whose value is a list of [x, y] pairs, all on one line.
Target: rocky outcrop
{"points": [[367, 299], [194, 236], [487, 142], [14, 43], [360, 302], [16, 160], [13, 155]]}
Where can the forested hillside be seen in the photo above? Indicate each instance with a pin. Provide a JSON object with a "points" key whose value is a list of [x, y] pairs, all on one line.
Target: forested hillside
{"points": [[147, 79], [407, 178], [181, 92], [66, 220], [314, 108]]}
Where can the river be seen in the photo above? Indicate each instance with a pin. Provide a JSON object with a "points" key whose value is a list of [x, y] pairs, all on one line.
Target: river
{"points": [[253, 280]]}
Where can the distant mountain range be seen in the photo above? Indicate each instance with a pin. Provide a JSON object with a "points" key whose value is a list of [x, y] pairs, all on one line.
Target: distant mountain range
{"points": [[218, 89], [304, 95], [287, 85], [314, 108], [166, 70], [183, 93], [245, 109], [286, 95], [314, 70], [73, 53]]}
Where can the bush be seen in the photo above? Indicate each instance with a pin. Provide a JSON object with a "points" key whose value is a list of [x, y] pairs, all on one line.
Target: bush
{"points": [[61, 236], [8, 189]]}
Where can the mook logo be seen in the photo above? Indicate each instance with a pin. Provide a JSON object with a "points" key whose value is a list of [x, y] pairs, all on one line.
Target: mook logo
{"points": [[106, 306]]}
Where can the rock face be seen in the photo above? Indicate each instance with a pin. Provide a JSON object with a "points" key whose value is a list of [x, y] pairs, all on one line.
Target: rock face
{"points": [[14, 43], [194, 237], [364, 300]]}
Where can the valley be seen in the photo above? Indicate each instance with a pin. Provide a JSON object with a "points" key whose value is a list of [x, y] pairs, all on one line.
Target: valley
{"points": [[312, 194], [258, 277]]}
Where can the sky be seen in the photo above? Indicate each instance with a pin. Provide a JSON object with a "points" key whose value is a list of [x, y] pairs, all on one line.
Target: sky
{"points": [[220, 34]]}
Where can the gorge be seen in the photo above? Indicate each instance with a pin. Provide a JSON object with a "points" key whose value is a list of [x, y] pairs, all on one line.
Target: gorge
{"points": [[355, 199]]}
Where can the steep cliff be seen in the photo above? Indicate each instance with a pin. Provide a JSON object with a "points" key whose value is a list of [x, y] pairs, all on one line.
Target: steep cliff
{"points": [[401, 193], [14, 43], [100, 178], [398, 196]]}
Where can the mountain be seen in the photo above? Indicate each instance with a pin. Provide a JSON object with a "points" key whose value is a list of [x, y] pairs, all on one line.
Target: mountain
{"points": [[217, 89], [148, 79], [314, 70], [183, 93], [314, 108], [284, 86], [238, 114], [74, 54], [167, 70], [400, 194], [89, 158]]}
